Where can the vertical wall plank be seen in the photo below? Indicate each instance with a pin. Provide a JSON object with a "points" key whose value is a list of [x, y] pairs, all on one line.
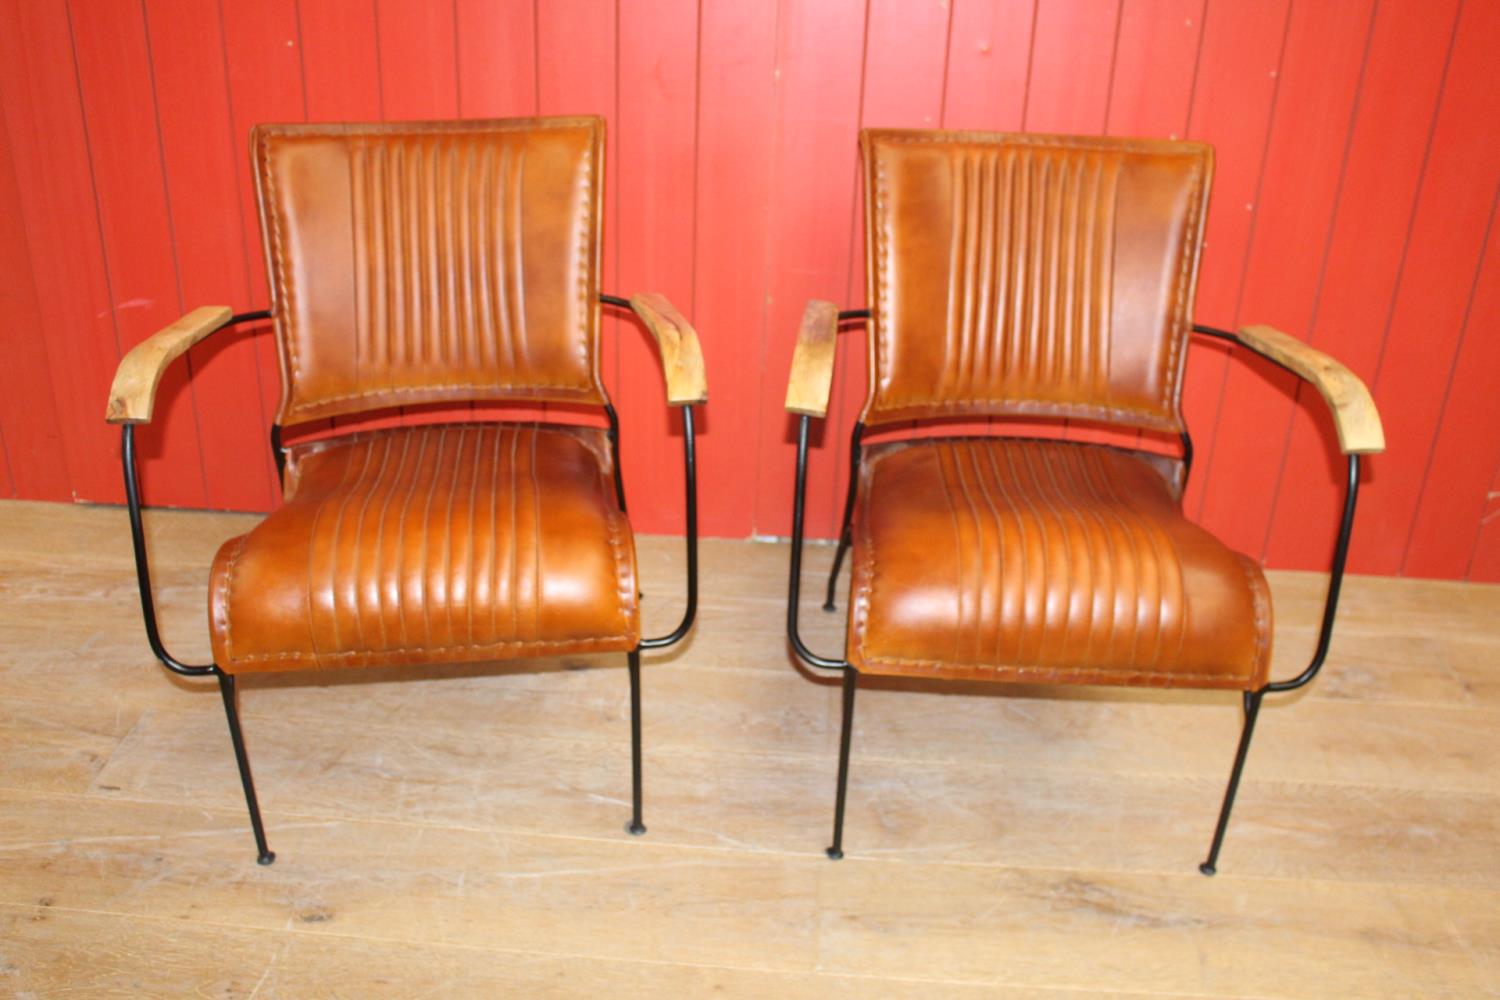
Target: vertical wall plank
{"points": [[1387, 147], [1456, 483], [656, 149], [262, 51], [340, 55], [340, 61], [44, 118], [1484, 564], [7, 484], [987, 72], [1072, 63], [819, 54], [35, 457], [496, 52], [905, 76], [418, 82], [339, 45], [417, 60], [1235, 88], [1155, 61], [119, 107], [736, 122], [906, 59], [199, 151], [1073, 54], [989, 60], [577, 74], [1325, 51], [1436, 285]]}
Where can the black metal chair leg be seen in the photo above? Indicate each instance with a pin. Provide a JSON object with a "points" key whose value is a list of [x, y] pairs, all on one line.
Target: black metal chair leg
{"points": [[635, 827], [851, 677], [1252, 709], [227, 689]]}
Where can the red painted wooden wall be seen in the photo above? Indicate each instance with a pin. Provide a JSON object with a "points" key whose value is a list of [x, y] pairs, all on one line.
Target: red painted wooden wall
{"points": [[1358, 160]]}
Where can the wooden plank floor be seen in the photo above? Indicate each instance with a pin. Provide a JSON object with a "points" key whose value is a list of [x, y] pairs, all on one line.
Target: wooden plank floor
{"points": [[459, 832]]}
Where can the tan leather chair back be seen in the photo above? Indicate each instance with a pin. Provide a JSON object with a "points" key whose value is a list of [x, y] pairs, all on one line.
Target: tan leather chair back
{"points": [[432, 262], [1031, 275]]}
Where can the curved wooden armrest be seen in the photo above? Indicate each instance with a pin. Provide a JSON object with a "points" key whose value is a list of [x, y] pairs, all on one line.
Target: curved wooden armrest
{"points": [[133, 392], [811, 380], [1354, 414], [681, 357]]}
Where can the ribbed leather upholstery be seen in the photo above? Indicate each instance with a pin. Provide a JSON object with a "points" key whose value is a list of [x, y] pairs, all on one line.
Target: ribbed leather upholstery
{"points": [[432, 544], [1046, 561], [430, 262], [1030, 275]]}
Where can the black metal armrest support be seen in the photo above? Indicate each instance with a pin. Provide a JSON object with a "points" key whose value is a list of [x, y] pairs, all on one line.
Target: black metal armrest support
{"points": [[794, 583], [138, 534], [1340, 549], [142, 564], [690, 476]]}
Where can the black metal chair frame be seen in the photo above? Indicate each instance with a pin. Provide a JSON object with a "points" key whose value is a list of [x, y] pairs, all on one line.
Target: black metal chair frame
{"points": [[227, 686], [1252, 699]]}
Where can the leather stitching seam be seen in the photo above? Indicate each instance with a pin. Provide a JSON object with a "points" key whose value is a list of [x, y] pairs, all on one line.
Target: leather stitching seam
{"points": [[936, 665], [587, 642], [278, 266], [894, 408], [863, 585], [443, 387], [1262, 615], [1169, 390], [227, 594], [1028, 139], [624, 575]]}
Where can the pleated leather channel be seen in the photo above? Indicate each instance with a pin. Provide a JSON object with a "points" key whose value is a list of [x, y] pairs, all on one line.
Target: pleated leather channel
{"points": [[432, 544], [1046, 561], [429, 262], [1031, 275]]}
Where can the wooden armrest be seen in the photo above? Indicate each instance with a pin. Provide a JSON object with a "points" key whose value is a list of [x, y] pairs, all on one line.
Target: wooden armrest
{"points": [[133, 392], [811, 380], [1354, 413], [681, 357]]}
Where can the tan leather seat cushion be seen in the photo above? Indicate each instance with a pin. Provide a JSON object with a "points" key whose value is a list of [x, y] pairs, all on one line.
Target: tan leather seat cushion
{"points": [[1045, 561], [432, 544]]}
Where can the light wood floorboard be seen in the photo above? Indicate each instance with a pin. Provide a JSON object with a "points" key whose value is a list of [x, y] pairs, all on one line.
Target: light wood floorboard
{"points": [[458, 831]]}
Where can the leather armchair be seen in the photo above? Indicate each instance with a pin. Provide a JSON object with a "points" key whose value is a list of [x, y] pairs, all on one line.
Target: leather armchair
{"points": [[429, 263], [1025, 276]]}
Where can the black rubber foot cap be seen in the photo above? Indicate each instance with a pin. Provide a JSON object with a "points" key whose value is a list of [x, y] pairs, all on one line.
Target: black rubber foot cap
{"points": [[1207, 869], [834, 854], [266, 858], [635, 829], [830, 606]]}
